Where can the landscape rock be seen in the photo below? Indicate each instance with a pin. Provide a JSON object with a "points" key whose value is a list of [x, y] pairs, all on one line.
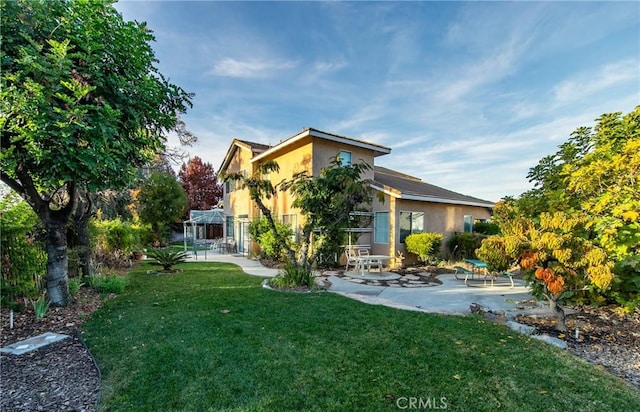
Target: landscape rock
{"points": [[558, 343], [519, 327]]}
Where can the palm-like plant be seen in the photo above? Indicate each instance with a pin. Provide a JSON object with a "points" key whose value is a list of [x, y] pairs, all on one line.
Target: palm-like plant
{"points": [[168, 258]]}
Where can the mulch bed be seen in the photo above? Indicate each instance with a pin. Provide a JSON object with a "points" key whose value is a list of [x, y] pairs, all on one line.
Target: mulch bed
{"points": [[606, 337], [61, 376]]}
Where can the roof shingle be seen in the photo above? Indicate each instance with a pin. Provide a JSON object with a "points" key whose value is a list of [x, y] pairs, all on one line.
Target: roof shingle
{"points": [[413, 186]]}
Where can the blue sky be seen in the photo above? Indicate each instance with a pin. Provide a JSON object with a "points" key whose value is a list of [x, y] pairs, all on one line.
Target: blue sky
{"points": [[468, 95]]}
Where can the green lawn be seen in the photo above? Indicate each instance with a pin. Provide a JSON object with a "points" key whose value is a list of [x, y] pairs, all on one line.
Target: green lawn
{"points": [[211, 338]]}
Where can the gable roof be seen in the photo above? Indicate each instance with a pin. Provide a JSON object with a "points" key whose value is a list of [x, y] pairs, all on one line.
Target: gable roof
{"points": [[236, 144], [407, 187], [378, 150]]}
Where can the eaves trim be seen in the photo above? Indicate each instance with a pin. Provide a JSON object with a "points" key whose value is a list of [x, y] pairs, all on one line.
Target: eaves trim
{"points": [[430, 199], [377, 149]]}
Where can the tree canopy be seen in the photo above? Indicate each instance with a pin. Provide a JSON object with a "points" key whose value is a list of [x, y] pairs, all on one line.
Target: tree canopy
{"points": [[327, 201], [162, 202], [82, 105], [200, 182], [585, 205]]}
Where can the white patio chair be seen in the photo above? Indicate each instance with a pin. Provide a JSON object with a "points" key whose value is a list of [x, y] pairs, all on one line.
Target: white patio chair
{"points": [[370, 263], [351, 258]]}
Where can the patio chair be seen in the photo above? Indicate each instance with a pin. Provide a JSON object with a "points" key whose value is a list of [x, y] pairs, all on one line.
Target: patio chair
{"points": [[216, 246], [232, 246], [351, 258], [463, 271], [370, 263]]}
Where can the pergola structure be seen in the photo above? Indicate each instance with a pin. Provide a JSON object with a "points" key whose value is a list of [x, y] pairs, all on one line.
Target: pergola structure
{"points": [[203, 225]]}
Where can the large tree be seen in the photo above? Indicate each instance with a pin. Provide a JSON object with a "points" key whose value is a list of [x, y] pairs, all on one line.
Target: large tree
{"points": [[82, 106], [162, 202], [556, 255], [593, 180], [326, 201], [200, 181]]}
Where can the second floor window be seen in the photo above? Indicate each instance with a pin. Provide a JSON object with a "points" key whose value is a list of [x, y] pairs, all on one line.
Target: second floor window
{"points": [[345, 158], [229, 186]]}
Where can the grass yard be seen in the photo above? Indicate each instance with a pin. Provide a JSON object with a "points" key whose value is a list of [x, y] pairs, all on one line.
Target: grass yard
{"points": [[211, 339]]}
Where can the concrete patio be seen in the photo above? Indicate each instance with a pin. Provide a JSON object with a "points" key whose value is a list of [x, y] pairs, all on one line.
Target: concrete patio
{"points": [[453, 296]]}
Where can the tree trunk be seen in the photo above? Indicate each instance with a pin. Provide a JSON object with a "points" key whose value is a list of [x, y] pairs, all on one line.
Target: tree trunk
{"points": [[559, 312], [57, 261], [55, 222], [84, 250], [81, 241]]}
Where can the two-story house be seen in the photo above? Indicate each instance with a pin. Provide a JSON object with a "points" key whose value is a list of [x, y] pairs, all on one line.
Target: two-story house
{"points": [[409, 206]]}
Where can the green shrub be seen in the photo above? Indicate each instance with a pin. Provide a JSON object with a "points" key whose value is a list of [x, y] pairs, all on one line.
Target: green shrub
{"points": [[625, 290], [425, 245], [24, 260], [293, 276], [108, 284], [115, 240], [486, 228], [116, 235], [464, 245], [167, 258], [262, 234], [493, 252]]}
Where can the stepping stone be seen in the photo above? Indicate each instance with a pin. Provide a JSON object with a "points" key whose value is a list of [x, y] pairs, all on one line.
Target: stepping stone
{"points": [[411, 277], [30, 344]]}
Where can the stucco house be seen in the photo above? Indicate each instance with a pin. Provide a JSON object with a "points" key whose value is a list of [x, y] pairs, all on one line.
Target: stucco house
{"points": [[409, 205]]}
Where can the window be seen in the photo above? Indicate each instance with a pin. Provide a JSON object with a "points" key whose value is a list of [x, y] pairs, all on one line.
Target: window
{"points": [[468, 223], [229, 186], [410, 222], [229, 226], [291, 220], [345, 158], [381, 227]]}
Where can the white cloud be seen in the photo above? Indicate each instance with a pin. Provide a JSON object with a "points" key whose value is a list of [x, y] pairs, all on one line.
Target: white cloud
{"points": [[230, 67], [586, 84], [491, 67]]}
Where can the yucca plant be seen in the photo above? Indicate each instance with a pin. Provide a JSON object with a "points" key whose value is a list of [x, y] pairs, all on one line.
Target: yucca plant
{"points": [[40, 306], [293, 276], [167, 258]]}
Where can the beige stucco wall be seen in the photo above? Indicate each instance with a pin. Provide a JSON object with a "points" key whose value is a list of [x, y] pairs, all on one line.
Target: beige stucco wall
{"points": [[296, 159], [238, 201], [324, 150], [311, 155], [307, 155], [438, 217]]}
